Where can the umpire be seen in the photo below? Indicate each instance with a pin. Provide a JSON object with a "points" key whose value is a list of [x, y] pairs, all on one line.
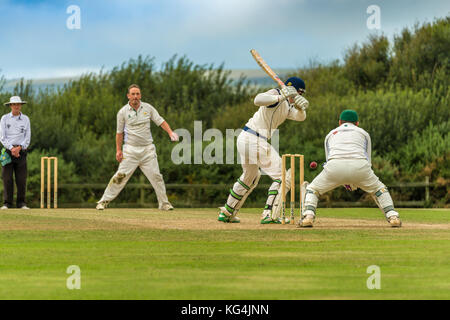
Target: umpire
{"points": [[15, 136]]}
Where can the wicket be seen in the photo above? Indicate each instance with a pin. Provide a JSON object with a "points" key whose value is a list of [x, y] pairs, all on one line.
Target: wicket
{"points": [[292, 157], [55, 182]]}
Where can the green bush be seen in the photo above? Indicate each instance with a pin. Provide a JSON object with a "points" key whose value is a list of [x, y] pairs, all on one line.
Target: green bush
{"points": [[368, 65], [423, 149]]}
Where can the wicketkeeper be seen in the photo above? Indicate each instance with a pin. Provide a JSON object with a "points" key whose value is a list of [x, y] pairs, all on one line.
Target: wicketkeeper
{"points": [[348, 155], [275, 106]]}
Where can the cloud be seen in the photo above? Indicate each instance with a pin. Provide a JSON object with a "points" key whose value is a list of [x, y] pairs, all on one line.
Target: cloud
{"points": [[288, 32]]}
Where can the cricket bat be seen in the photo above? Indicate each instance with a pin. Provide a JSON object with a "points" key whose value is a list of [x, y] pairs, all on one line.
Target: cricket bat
{"points": [[266, 68]]}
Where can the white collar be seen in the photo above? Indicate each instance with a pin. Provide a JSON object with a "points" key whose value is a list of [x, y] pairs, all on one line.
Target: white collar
{"points": [[12, 116], [131, 108], [349, 123]]}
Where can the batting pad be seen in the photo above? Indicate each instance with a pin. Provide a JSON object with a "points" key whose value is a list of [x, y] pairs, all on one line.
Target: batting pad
{"points": [[239, 193], [310, 204], [276, 207], [384, 201]]}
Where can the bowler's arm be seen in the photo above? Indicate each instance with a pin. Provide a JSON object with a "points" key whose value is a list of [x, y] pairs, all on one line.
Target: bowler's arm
{"points": [[173, 136], [119, 135], [119, 142]]}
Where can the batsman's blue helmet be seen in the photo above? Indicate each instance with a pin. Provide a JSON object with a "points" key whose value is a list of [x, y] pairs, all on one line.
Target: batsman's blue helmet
{"points": [[297, 83]]}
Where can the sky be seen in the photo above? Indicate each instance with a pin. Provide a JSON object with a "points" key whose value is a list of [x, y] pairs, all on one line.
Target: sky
{"points": [[36, 41]]}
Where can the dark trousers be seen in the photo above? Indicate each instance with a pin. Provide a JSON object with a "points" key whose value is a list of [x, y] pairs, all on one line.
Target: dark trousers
{"points": [[18, 167]]}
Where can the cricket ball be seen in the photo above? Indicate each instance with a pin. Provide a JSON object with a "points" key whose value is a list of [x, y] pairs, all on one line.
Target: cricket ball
{"points": [[313, 165]]}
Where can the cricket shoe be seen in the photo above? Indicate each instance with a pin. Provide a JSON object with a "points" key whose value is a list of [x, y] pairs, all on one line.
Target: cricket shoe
{"points": [[306, 221], [227, 219], [166, 207], [280, 221], [269, 220], [102, 205], [266, 220], [395, 222]]}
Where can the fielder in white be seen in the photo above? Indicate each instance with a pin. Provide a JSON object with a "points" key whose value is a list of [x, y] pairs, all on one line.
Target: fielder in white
{"points": [[133, 129], [348, 155], [256, 153]]}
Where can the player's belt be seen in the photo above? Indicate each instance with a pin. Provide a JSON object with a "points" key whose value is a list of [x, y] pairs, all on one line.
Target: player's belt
{"points": [[254, 132]]}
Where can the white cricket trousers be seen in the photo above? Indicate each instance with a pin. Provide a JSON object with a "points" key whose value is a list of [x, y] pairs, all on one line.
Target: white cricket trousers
{"points": [[133, 157], [338, 172], [256, 153]]}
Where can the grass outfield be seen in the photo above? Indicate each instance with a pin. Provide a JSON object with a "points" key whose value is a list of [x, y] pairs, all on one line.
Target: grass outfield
{"points": [[187, 254]]}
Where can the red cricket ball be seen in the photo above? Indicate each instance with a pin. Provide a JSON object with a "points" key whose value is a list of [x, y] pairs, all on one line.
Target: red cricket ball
{"points": [[313, 165]]}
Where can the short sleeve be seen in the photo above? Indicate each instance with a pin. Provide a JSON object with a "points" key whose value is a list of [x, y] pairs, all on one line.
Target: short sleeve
{"points": [[155, 117], [120, 121]]}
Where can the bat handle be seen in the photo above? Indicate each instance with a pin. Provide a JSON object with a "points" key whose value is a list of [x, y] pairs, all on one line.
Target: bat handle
{"points": [[281, 83]]}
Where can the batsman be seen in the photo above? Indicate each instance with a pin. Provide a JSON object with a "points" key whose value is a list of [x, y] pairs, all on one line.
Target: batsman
{"points": [[256, 153], [348, 155]]}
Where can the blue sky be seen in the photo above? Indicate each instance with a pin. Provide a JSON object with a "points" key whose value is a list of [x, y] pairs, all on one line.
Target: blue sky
{"points": [[288, 33]]}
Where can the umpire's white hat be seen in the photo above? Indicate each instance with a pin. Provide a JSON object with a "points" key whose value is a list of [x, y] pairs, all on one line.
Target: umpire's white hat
{"points": [[14, 99]]}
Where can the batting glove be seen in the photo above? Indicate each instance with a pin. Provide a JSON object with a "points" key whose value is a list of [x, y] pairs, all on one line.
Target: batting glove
{"points": [[301, 103], [288, 92]]}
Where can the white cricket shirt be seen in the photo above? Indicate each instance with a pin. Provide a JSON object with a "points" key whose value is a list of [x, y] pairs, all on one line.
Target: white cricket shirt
{"points": [[348, 141], [136, 124], [272, 114], [15, 130]]}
